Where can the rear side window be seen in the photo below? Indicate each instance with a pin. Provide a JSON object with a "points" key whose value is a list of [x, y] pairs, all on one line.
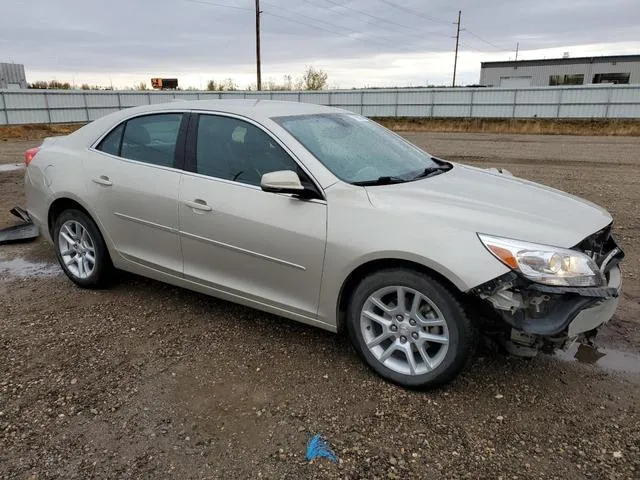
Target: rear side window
{"points": [[111, 143], [152, 139]]}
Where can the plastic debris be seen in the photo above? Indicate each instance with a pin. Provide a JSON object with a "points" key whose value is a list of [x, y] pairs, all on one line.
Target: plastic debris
{"points": [[319, 448]]}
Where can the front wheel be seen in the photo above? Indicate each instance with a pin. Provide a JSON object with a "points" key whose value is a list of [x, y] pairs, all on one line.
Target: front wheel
{"points": [[81, 250], [409, 328]]}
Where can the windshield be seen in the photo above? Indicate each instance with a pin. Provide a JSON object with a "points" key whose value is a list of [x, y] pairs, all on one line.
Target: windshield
{"points": [[358, 150]]}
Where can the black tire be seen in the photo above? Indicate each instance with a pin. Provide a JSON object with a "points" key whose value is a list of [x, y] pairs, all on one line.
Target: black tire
{"points": [[103, 269], [462, 333]]}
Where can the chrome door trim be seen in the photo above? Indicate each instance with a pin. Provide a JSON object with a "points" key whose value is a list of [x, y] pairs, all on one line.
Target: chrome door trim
{"points": [[242, 250], [146, 223]]}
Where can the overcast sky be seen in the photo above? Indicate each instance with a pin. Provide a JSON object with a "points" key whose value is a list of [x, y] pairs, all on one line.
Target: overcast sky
{"points": [[357, 42]]}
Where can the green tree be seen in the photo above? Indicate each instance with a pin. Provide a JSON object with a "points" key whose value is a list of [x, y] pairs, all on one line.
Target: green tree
{"points": [[211, 86]]}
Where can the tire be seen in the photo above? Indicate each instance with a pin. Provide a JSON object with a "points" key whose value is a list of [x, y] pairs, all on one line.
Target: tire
{"points": [[87, 273], [438, 316]]}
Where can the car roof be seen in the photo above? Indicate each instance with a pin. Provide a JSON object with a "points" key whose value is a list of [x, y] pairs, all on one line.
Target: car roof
{"points": [[254, 108]]}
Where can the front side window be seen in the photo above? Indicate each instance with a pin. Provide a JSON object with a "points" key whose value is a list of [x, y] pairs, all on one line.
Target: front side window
{"points": [[358, 150], [151, 139], [233, 149]]}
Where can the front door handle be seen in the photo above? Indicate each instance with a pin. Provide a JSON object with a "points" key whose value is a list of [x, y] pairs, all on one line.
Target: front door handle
{"points": [[103, 180], [198, 204]]}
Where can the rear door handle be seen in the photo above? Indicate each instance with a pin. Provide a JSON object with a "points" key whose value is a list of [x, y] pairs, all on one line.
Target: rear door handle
{"points": [[198, 204], [103, 180]]}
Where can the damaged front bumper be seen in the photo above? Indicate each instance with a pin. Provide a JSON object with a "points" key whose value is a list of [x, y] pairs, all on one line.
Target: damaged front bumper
{"points": [[538, 316]]}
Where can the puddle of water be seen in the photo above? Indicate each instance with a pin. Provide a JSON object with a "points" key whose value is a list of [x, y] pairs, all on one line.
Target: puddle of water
{"points": [[19, 267], [10, 167], [605, 358]]}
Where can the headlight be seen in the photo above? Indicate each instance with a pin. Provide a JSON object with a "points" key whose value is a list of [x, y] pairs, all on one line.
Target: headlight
{"points": [[545, 264]]}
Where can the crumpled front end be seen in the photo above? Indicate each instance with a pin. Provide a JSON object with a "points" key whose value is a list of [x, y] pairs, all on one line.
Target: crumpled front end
{"points": [[528, 317]]}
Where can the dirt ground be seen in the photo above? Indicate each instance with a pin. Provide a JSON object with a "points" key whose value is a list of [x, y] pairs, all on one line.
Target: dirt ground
{"points": [[144, 380]]}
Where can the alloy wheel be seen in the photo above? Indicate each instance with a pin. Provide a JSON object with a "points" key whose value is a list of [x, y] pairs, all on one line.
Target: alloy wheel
{"points": [[404, 330]]}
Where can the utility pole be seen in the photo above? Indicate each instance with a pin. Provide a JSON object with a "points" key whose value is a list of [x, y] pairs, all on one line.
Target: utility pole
{"points": [[455, 62], [517, 48], [259, 74]]}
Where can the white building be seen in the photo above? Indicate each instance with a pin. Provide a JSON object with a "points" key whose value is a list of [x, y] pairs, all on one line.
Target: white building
{"points": [[621, 69], [12, 76]]}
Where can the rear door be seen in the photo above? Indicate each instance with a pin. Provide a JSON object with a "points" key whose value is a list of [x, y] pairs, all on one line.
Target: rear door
{"points": [[265, 247], [132, 182]]}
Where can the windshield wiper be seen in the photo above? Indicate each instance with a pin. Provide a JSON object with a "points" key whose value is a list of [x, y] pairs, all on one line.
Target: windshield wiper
{"points": [[431, 171], [385, 180]]}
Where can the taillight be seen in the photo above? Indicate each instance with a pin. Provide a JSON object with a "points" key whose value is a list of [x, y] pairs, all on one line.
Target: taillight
{"points": [[29, 154]]}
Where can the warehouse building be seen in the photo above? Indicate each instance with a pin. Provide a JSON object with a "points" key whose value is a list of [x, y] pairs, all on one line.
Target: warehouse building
{"points": [[621, 69], [12, 76]]}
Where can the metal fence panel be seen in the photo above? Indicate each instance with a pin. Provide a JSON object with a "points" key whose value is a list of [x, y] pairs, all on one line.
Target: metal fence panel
{"points": [[493, 97], [69, 115], [96, 113], [596, 101], [27, 116], [492, 111], [102, 100], [538, 96], [379, 98], [535, 111]]}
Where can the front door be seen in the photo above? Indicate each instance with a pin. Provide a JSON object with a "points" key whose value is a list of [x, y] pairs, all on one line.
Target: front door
{"points": [[132, 186], [264, 247]]}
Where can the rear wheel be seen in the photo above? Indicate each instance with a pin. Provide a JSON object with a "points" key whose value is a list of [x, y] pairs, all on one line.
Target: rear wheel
{"points": [[81, 250], [409, 328]]}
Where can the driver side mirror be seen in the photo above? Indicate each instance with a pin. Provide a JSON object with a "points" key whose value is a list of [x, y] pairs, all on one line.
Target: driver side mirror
{"points": [[283, 181]]}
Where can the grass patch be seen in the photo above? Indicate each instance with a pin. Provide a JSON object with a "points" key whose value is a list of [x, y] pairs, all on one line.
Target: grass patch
{"points": [[533, 126], [35, 131]]}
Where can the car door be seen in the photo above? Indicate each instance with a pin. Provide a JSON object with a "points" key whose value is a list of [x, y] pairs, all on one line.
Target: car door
{"points": [[132, 186], [263, 247]]}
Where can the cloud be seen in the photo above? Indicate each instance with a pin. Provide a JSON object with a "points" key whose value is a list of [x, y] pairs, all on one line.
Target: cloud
{"points": [[359, 42]]}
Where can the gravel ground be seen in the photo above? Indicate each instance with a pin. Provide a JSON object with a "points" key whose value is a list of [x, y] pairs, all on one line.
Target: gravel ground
{"points": [[145, 380]]}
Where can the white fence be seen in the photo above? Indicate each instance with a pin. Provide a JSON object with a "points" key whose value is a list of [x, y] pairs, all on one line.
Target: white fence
{"points": [[601, 101]]}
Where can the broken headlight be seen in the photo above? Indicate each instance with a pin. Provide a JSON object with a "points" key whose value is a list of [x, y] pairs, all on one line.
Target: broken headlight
{"points": [[545, 264]]}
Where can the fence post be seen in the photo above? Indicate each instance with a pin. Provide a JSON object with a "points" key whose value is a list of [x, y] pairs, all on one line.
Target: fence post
{"points": [[471, 104], [331, 103], [148, 98], [361, 102], [395, 112], [515, 103], [86, 105], [609, 96], [119, 101], [46, 105], [432, 95], [4, 107], [559, 102], [299, 96]]}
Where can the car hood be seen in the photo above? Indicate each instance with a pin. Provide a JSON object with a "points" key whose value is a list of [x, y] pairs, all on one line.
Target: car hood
{"points": [[486, 201]]}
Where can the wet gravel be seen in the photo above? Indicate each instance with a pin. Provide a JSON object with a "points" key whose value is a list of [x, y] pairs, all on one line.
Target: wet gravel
{"points": [[144, 380]]}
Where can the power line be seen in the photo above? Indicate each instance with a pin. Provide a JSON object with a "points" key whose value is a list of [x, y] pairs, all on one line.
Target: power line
{"points": [[299, 22], [414, 12], [486, 41], [220, 5], [380, 18]]}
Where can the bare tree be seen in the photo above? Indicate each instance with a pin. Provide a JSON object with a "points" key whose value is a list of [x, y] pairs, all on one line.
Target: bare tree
{"points": [[142, 86], [315, 79]]}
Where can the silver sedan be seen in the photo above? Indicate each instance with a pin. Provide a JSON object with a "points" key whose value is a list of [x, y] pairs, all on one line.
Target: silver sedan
{"points": [[323, 216]]}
